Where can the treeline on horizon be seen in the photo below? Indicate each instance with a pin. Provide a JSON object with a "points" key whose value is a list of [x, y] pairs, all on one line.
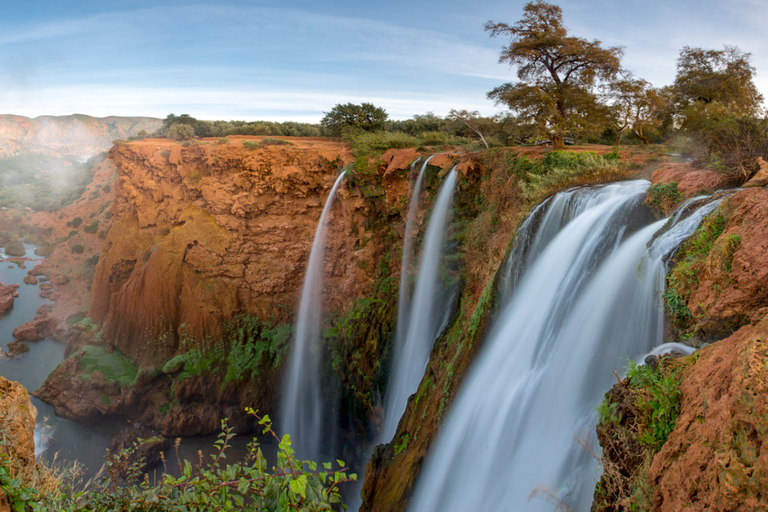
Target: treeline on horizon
{"points": [[569, 90]]}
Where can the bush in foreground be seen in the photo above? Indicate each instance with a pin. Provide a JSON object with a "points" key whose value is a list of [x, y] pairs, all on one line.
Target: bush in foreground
{"points": [[247, 485]]}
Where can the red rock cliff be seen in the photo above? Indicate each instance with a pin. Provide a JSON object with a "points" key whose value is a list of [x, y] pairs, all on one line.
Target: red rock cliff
{"points": [[204, 232]]}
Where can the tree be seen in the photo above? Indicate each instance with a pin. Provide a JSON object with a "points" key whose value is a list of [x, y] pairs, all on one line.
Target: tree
{"points": [[708, 80], [181, 131], [365, 117], [557, 72], [725, 76], [471, 120], [636, 106]]}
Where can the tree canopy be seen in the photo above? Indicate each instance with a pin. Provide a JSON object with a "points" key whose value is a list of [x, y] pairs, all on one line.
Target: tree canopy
{"points": [[366, 117], [557, 72], [708, 80]]}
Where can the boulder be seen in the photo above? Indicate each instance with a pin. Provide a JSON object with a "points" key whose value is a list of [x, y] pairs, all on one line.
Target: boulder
{"points": [[37, 270], [15, 248], [17, 348], [30, 279], [760, 179], [42, 327], [6, 298]]}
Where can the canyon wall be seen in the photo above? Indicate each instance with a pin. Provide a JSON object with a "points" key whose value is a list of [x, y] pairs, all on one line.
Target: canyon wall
{"points": [[76, 134], [207, 249]]}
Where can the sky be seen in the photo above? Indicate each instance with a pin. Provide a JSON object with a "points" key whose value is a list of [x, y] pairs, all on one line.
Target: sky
{"points": [[293, 60]]}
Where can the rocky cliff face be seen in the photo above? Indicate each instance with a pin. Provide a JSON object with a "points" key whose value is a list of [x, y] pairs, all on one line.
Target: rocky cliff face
{"points": [[67, 135], [207, 248], [206, 232]]}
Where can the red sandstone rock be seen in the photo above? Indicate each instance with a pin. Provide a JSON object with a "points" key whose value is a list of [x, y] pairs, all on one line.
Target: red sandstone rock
{"points": [[714, 459], [725, 300], [6, 298], [41, 327], [690, 181], [760, 179], [17, 417]]}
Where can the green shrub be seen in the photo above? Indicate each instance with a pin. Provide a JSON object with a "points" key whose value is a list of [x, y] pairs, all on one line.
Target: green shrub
{"points": [[180, 131], [78, 249], [93, 227], [659, 398], [664, 197], [370, 144], [269, 141], [252, 344], [559, 169], [252, 484], [223, 140]]}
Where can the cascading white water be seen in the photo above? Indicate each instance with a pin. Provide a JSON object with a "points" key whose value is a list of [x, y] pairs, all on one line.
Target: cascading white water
{"points": [[405, 269], [301, 408], [425, 317], [587, 301]]}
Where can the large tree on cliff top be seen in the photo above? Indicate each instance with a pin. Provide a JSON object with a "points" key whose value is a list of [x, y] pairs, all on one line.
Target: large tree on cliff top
{"points": [[558, 73]]}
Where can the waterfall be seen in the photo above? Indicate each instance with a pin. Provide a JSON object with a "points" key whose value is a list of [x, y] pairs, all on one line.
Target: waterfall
{"points": [[405, 267], [425, 318], [588, 298], [302, 408]]}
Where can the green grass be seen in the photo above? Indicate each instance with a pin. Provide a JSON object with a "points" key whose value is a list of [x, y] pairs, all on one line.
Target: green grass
{"points": [[114, 365]]}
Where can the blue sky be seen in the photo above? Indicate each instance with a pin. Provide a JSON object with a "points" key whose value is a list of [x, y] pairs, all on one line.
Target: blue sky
{"points": [[296, 59]]}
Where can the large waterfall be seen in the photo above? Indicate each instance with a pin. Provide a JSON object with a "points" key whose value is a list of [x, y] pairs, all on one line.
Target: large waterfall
{"points": [[302, 408], [588, 298], [425, 318]]}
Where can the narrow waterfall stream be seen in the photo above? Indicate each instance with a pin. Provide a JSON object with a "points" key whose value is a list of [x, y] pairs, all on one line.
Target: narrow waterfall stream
{"points": [[403, 299], [302, 406], [587, 299], [425, 318]]}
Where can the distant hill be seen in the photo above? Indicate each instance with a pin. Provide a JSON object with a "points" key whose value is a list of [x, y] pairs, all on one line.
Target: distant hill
{"points": [[75, 135]]}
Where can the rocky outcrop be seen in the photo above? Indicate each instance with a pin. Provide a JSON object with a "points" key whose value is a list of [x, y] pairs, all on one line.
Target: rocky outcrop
{"points": [[43, 326], [760, 179], [7, 294], [17, 425], [690, 181], [732, 290], [15, 248], [714, 460], [205, 232]]}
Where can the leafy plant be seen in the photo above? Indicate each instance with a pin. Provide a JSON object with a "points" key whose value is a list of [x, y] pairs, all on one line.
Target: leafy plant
{"points": [[252, 484], [664, 196], [659, 398]]}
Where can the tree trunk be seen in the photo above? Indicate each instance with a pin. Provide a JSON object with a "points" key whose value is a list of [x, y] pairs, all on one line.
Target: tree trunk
{"points": [[642, 137], [618, 137], [557, 140]]}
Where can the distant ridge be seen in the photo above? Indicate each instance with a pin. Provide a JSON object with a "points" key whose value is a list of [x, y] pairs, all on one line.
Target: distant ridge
{"points": [[75, 134]]}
